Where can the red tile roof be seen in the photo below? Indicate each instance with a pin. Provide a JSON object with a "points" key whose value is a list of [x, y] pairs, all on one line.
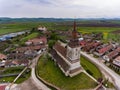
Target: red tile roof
{"points": [[60, 49], [16, 62], [83, 43], [116, 61], [2, 56], [91, 45], [105, 49], [19, 62], [23, 49], [59, 60], [2, 87], [37, 40], [114, 53]]}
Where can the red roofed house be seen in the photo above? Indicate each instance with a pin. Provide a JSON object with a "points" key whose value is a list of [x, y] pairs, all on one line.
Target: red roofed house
{"points": [[37, 41], [103, 50], [14, 63], [90, 46], [116, 63], [2, 87], [83, 43], [68, 57], [3, 57], [112, 54]]}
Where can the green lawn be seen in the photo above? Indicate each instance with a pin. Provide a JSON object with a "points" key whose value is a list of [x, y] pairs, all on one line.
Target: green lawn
{"points": [[24, 77], [97, 29], [51, 73], [13, 70], [32, 35], [93, 70], [90, 68]]}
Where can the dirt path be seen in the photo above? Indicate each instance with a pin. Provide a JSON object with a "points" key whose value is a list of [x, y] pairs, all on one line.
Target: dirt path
{"points": [[27, 85]]}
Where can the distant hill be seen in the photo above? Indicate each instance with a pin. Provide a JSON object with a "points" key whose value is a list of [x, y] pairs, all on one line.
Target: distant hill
{"points": [[97, 22], [8, 20]]}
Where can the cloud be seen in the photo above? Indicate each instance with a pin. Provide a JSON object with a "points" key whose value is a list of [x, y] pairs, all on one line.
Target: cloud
{"points": [[60, 8]]}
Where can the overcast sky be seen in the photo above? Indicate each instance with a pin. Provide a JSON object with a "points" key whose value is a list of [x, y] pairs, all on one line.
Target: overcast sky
{"points": [[60, 8]]}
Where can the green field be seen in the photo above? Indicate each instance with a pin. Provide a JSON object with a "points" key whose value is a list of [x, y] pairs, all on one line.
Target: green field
{"points": [[32, 35], [16, 26], [13, 70], [97, 29], [24, 76], [21, 26], [90, 68], [52, 74]]}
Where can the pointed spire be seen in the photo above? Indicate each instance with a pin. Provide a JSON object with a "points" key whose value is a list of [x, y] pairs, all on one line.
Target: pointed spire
{"points": [[74, 32], [74, 25]]}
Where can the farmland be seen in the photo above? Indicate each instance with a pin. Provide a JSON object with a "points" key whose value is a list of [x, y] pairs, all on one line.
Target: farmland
{"points": [[84, 26], [16, 27]]}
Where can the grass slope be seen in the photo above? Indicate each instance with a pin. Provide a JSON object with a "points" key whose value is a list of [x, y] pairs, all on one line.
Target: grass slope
{"points": [[88, 66], [32, 35], [51, 73]]}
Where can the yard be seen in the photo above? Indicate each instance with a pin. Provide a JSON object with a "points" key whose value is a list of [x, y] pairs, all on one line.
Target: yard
{"points": [[24, 77], [13, 70], [52, 74], [90, 68]]}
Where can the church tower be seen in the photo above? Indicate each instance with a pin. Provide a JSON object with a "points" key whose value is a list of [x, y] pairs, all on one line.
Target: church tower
{"points": [[73, 47], [73, 53], [68, 59]]}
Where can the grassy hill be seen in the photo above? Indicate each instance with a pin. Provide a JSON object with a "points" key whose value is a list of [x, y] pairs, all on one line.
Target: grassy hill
{"points": [[52, 74]]}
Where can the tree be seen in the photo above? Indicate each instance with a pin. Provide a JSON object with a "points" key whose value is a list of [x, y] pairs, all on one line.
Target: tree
{"points": [[51, 43]]}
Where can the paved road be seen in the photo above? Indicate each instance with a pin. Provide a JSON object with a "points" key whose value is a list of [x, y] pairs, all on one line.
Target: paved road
{"points": [[115, 76], [37, 82]]}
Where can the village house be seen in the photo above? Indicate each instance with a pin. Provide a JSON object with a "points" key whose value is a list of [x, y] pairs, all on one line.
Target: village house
{"points": [[3, 57], [91, 46], [103, 49], [42, 29], [16, 56], [14, 63], [116, 63], [83, 43], [67, 56], [24, 53], [2, 63], [112, 54], [93, 36], [24, 49], [3, 86], [37, 41]]}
